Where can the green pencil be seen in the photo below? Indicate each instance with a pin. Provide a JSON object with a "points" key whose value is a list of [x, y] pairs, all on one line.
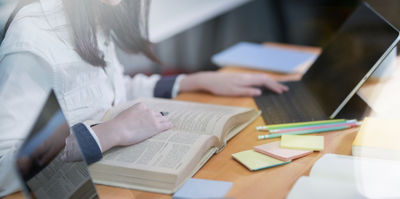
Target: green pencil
{"points": [[262, 137]]}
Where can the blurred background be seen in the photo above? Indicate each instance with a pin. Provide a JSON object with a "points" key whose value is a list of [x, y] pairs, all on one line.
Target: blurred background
{"points": [[186, 33]]}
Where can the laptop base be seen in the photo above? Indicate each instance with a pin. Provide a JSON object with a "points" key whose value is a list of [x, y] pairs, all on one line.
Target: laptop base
{"points": [[298, 105]]}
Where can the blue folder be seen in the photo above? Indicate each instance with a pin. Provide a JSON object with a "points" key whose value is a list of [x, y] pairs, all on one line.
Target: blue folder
{"points": [[263, 57], [202, 188]]}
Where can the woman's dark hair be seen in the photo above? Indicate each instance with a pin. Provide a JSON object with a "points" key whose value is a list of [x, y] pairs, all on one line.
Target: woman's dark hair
{"points": [[126, 22]]}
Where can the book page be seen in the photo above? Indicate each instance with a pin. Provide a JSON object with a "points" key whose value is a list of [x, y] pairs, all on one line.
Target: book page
{"points": [[334, 167], [374, 178], [62, 180], [187, 116], [316, 187], [236, 124], [168, 152]]}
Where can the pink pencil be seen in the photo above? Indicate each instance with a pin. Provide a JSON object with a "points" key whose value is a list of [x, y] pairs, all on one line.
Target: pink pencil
{"points": [[352, 124]]}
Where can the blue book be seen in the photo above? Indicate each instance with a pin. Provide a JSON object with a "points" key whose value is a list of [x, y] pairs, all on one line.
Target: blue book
{"points": [[258, 56], [200, 188]]}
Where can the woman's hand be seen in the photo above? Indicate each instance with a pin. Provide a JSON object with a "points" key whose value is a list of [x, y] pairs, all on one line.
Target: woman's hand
{"points": [[230, 84], [131, 126]]}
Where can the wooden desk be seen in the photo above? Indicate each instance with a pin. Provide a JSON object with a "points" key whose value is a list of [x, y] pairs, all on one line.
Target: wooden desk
{"points": [[268, 183]]}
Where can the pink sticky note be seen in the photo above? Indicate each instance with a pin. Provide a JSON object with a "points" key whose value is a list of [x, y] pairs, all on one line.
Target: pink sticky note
{"points": [[274, 150]]}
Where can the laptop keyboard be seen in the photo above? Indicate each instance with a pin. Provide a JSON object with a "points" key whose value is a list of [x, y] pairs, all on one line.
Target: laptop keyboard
{"points": [[295, 105]]}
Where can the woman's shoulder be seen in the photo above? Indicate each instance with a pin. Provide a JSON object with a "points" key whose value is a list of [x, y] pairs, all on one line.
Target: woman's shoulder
{"points": [[28, 25], [32, 31]]}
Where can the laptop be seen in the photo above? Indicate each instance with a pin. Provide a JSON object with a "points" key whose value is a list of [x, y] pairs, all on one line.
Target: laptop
{"points": [[43, 173], [346, 62]]}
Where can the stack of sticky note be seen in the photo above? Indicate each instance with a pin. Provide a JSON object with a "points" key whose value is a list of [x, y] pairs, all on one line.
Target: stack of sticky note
{"points": [[303, 142], [294, 142], [255, 161], [281, 152], [273, 149]]}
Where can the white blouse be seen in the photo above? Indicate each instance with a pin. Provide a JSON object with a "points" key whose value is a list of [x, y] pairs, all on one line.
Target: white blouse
{"points": [[37, 55]]}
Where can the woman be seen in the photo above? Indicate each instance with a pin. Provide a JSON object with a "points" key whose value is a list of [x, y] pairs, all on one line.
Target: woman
{"points": [[69, 46]]}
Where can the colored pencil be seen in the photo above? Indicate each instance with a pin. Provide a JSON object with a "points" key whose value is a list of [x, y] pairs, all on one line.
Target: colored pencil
{"points": [[262, 137], [299, 124], [284, 130]]}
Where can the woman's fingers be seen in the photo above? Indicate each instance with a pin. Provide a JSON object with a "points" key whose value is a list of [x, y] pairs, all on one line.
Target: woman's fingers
{"points": [[276, 86], [264, 80], [162, 122], [246, 91], [158, 114]]}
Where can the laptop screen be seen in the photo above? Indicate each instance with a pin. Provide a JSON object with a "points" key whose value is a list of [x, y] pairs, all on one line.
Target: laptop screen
{"points": [[45, 174], [350, 58]]}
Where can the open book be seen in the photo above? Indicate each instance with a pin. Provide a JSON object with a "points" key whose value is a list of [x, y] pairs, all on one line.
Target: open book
{"points": [[340, 176], [378, 137], [163, 163]]}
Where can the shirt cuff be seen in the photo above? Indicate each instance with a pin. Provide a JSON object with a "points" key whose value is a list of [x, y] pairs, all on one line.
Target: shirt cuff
{"points": [[89, 128], [164, 87], [177, 86], [90, 148]]}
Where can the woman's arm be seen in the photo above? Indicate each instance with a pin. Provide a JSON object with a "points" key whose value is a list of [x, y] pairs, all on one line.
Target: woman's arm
{"points": [[230, 84], [131, 126], [225, 84]]}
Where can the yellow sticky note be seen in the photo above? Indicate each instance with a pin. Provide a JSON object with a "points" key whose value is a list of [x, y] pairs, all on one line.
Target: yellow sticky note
{"points": [[255, 161], [303, 142]]}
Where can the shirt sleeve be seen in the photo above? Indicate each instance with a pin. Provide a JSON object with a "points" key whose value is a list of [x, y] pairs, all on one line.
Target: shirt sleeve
{"points": [[153, 86], [93, 134], [140, 86], [176, 88], [86, 138], [25, 81]]}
